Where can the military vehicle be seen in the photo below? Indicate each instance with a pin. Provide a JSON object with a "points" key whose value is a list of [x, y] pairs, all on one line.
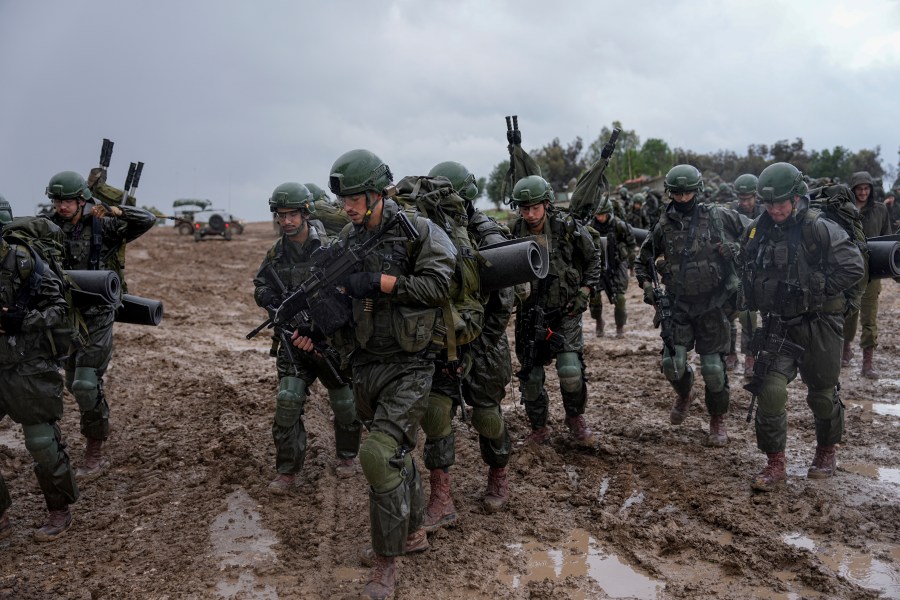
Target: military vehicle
{"points": [[196, 215]]}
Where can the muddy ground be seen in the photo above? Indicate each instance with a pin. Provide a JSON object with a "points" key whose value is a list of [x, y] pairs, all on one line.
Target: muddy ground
{"points": [[184, 511]]}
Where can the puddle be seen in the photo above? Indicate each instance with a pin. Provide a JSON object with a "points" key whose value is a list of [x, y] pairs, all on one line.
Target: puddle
{"points": [[581, 556], [13, 438], [884, 474], [717, 583], [879, 408], [636, 497], [862, 569], [239, 540]]}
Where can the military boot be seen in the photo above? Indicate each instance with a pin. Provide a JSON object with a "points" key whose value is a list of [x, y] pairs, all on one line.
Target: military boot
{"points": [[600, 325], [416, 542], [773, 475], [538, 436], [823, 464], [846, 355], [620, 332], [580, 431], [345, 468], [282, 483], [749, 363], [731, 361], [868, 369], [718, 436], [382, 578], [440, 510], [680, 408], [58, 521], [497, 493], [94, 461], [5, 527]]}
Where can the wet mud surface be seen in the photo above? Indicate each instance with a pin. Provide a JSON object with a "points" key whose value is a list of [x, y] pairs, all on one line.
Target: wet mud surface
{"points": [[184, 511]]}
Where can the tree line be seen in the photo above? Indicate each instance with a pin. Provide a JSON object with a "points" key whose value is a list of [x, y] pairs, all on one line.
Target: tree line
{"points": [[560, 164]]}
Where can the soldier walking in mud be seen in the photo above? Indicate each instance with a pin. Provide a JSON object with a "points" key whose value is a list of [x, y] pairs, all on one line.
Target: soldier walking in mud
{"points": [[748, 208], [875, 222], [699, 244], [32, 308], [796, 267], [93, 233], [395, 296], [618, 256], [287, 264], [549, 321]]}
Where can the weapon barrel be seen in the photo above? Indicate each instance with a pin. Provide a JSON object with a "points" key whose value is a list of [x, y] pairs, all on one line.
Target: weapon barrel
{"points": [[94, 287], [140, 311], [512, 262]]}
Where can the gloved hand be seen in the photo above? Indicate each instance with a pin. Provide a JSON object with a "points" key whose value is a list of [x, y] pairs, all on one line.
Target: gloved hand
{"points": [[363, 285], [11, 320], [103, 209], [579, 304], [727, 250], [266, 297], [649, 294]]}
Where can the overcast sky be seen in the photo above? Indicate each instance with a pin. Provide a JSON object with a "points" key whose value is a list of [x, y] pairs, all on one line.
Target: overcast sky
{"points": [[226, 100]]}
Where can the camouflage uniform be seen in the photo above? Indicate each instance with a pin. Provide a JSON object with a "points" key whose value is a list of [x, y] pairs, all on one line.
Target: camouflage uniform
{"points": [[617, 257], [31, 388], [297, 371]]}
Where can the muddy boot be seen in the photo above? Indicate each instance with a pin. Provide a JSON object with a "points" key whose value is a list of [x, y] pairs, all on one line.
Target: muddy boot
{"points": [[620, 332], [538, 437], [382, 576], [282, 483], [497, 492], [749, 363], [680, 408], [731, 361], [94, 461], [823, 464], [846, 355], [58, 521], [415, 542], [600, 324], [580, 431], [868, 369], [5, 527], [718, 436], [440, 510], [773, 475], [345, 468]]}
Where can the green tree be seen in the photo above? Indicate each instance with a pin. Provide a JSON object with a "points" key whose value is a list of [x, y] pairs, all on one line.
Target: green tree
{"points": [[558, 164], [655, 157], [494, 186]]}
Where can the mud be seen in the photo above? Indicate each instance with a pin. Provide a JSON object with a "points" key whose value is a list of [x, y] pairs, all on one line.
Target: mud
{"points": [[649, 513]]}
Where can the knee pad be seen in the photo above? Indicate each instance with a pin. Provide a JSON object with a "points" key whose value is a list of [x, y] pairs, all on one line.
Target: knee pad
{"points": [[534, 385], [673, 366], [377, 458], [436, 422], [342, 405], [568, 367], [823, 402], [488, 422], [85, 387], [713, 371], [289, 401], [41, 442], [773, 395]]}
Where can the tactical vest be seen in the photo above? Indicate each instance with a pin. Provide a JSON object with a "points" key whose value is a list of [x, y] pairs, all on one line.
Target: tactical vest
{"points": [[693, 267], [294, 272], [83, 244], [779, 261], [566, 265]]}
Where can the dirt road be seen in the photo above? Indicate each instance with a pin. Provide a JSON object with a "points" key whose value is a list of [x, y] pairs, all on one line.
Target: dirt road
{"points": [[650, 513]]}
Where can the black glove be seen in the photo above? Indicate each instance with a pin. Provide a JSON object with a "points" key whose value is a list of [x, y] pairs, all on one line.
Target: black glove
{"points": [[11, 320], [649, 294], [266, 297], [363, 285]]}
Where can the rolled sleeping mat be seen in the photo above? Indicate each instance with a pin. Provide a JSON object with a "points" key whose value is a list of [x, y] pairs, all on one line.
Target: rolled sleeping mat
{"points": [[513, 262], [91, 288], [140, 311], [884, 256], [639, 235]]}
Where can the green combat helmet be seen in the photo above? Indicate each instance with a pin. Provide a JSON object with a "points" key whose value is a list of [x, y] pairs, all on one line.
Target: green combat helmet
{"points": [[780, 181], [317, 193], [745, 184], [359, 171], [460, 178], [294, 196], [67, 185], [605, 206], [683, 178], [5, 211], [531, 190]]}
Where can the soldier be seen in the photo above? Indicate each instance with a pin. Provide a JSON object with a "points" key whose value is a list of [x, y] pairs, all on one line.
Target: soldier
{"points": [[797, 266], [483, 385], [746, 206], [699, 243], [875, 221], [93, 235], [637, 215], [562, 297], [618, 255], [396, 296], [5, 212], [287, 264], [327, 212], [31, 387]]}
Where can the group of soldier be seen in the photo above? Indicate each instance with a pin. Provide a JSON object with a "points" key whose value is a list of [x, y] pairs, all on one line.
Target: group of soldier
{"points": [[40, 333], [423, 337]]}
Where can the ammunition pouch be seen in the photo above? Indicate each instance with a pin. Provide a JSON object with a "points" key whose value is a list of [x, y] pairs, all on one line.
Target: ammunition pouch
{"points": [[413, 327]]}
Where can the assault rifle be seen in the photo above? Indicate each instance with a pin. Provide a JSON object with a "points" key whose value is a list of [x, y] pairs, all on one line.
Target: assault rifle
{"points": [[534, 329], [664, 306], [316, 300], [768, 343]]}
